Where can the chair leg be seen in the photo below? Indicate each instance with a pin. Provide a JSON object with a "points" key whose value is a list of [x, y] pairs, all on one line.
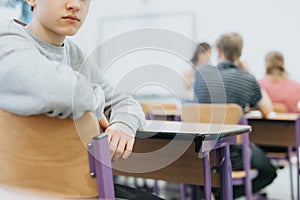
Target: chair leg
{"points": [[226, 174], [100, 154], [207, 178], [182, 191], [247, 164], [155, 188]]}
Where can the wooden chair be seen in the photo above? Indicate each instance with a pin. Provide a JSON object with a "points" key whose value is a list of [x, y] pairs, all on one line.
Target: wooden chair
{"points": [[49, 156], [224, 114], [279, 108], [160, 111]]}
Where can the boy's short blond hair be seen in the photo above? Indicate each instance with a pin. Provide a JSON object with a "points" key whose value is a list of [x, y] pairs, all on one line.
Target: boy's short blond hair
{"points": [[231, 44]]}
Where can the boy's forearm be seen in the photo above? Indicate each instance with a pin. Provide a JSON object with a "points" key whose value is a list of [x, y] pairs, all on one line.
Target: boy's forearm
{"points": [[265, 104]]}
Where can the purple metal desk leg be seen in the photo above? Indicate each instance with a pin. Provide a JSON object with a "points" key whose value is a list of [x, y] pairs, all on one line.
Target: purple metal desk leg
{"points": [[297, 154], [290, 153], [226, 174], [156, 188], [207, 179], [247, 160], [182, 191], [100, 166], [177, 118]]}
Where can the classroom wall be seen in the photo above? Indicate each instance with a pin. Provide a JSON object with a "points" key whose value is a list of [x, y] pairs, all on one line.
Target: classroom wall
{"points": [[265, 25]]}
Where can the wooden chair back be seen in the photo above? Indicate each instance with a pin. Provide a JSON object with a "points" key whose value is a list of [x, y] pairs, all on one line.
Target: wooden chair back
{"points": [[212, 113], [279, 108], [47, 155], [147, 107]]}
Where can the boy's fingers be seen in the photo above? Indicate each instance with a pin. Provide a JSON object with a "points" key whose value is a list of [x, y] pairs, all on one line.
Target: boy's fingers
{"points": [[129, 148], [113, 145], [103, 123], [120, 148]]}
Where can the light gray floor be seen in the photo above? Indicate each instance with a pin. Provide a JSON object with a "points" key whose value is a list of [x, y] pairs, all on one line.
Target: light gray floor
{"points": [[278, 190]]}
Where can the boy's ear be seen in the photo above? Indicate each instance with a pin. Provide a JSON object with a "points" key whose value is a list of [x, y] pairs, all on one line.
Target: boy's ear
{"points": [[31, 3]]}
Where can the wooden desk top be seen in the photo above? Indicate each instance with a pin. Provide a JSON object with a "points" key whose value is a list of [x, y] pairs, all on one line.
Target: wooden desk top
{"points": [[253, 115], [168, 129]]}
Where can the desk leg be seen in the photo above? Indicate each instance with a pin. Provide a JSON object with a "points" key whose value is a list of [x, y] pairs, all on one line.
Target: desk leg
{"points": [[290, 153], [207, 178], [226, 174], [298, 173], [297, 152]]}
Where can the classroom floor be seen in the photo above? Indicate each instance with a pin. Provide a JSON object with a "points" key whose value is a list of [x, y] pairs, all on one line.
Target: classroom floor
{"points": [[278, 190]]}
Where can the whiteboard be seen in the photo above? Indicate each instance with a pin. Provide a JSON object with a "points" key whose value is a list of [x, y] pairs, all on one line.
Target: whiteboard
{"points": [[150, 67]]}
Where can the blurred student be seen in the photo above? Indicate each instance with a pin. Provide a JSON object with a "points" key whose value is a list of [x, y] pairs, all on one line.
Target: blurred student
{"points": [[240, 88], [277, 84], [200, 57]]}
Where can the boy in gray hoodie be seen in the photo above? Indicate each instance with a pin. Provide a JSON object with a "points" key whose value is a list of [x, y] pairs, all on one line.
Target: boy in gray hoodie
{"points": [[42, 72]]}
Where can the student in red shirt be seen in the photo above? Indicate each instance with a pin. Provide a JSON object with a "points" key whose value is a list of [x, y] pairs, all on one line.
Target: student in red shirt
{"points": [[280, 88]]}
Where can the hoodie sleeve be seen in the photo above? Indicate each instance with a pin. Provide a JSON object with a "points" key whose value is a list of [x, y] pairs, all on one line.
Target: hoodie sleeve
{"points": [[121, 108]]}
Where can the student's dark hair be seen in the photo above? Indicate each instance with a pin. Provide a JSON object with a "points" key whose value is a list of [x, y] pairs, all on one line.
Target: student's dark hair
{"points": [[231, 44], [202, 47], [31, 8]]}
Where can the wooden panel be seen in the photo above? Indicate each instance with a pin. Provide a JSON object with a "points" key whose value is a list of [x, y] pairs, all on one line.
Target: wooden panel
{"points": [[279, 108], [47, 155], [158, 107], [274, 133], [187, 169], [212, 113]]}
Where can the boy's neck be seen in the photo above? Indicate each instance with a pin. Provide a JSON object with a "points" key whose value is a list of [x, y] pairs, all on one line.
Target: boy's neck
{"points": [[45, 34]]}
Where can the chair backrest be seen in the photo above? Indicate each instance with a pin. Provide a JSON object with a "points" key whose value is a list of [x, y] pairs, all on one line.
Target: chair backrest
{"points": [[212, 113], [279, 108], [47, 155], [147, 107]]}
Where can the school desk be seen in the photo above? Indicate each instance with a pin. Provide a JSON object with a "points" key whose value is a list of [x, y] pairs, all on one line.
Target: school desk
{"points": [[278, 130], [185, 142]]}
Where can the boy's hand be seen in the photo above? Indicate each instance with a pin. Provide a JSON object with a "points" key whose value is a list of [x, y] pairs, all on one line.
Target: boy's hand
{"points": [[120, 144]]}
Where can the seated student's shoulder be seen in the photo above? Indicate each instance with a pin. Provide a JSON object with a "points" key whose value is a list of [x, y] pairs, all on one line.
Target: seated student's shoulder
{"points": [[9, 27], [247, 76], [294, 82], [13, 35], [207, 68]]}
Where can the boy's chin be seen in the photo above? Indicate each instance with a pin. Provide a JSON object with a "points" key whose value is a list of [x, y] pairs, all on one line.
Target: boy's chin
{"points": [[70, 32]]}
